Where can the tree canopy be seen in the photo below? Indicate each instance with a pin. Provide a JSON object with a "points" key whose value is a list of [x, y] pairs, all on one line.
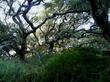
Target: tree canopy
{"points": [[33, 26], [54, 40]]}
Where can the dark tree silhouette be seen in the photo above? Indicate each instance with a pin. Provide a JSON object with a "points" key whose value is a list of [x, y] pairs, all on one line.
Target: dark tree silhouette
{"points": [[100, 10]]}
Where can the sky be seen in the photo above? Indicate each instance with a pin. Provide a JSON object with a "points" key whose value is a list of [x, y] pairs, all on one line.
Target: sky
{"points": [[33, 12], [16, 6]]}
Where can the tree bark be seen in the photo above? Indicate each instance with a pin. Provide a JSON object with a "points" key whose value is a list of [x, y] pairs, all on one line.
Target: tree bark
{"points": [[51, 46], [100, 15], [22, 50]]}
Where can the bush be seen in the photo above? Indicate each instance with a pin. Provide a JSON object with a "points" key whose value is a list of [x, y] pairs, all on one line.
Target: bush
{"points": [[72, 65], [75, 65], [17, 71]]}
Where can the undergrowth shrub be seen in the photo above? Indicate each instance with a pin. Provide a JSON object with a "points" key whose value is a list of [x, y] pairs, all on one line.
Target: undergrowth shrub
{"points": [[72, 65], [17, 71], [75, 65]]}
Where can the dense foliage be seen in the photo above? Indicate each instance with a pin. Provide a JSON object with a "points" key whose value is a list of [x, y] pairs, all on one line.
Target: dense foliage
{"points": [[31, 27], [54, 40], [73, 65]]}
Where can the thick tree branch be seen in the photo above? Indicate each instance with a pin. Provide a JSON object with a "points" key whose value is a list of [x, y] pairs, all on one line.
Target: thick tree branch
{"points": [[53, 16]]}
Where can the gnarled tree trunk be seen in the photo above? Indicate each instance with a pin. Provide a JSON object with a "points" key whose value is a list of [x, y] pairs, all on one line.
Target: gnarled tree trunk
{"points": [[100, 15]]}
